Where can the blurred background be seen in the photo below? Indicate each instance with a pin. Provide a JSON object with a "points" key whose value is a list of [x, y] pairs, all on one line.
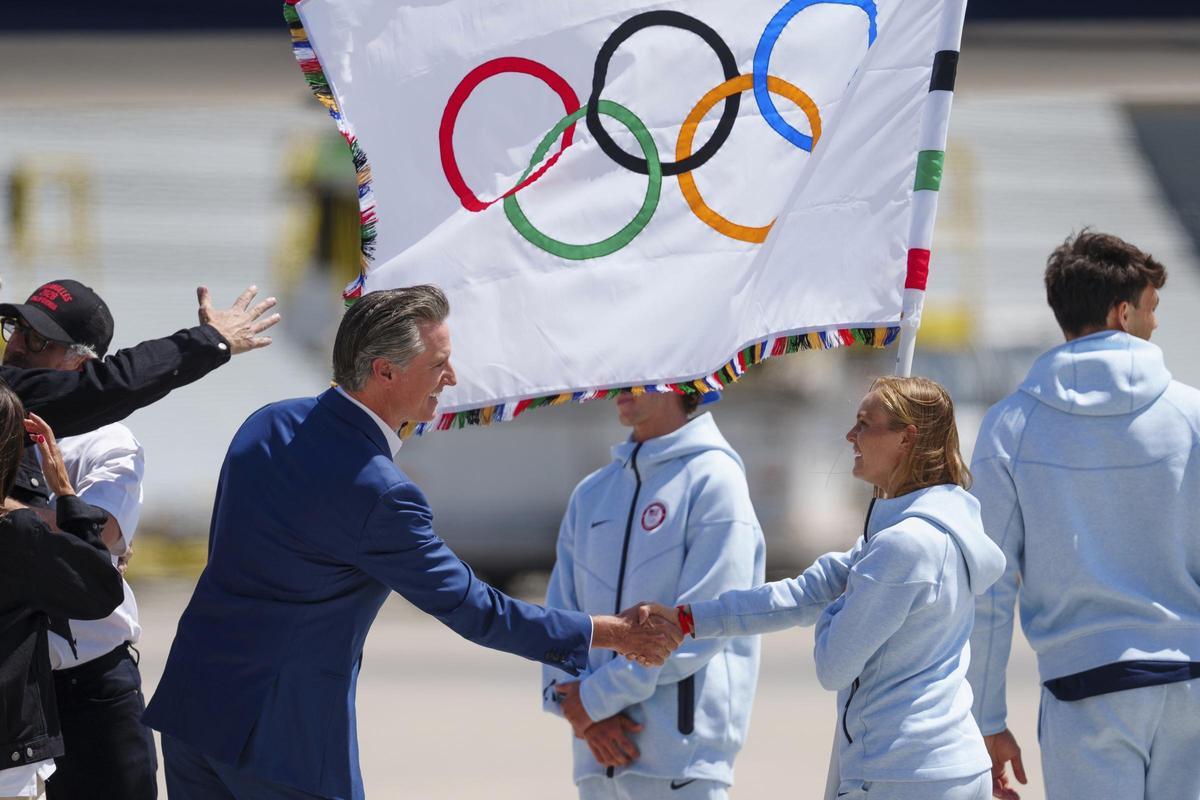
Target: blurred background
{"points": [[147, 147]]}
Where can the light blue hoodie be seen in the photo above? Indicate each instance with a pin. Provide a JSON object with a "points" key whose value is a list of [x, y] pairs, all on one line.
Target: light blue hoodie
{"points": [[893, 618], [1089, 476], [678, 508]]}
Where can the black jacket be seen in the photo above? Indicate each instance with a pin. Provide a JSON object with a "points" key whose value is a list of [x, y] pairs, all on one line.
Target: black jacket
{"points": [[109, 390], [43, 573]]}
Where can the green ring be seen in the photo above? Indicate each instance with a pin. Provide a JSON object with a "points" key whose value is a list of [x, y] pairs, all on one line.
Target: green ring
{"points": [[612, 244]]}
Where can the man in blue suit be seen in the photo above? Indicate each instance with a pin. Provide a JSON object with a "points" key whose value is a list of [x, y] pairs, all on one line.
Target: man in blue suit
{"points": [[313, 524]]}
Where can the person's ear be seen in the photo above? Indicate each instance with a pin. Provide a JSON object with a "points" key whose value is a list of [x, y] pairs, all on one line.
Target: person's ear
{"points": [[74, 363], [383, 370], [1118, 316], [909, 439]]}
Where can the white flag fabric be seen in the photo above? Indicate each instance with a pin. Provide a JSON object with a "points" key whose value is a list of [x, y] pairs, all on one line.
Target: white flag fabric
{"points": [[626, 194]]}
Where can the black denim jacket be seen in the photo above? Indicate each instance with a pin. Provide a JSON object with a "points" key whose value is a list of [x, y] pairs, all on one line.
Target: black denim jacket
{"points": [[44, 574]]}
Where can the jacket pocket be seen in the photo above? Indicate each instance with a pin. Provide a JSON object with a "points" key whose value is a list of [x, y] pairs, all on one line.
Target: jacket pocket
{"points": [[687, 705]]}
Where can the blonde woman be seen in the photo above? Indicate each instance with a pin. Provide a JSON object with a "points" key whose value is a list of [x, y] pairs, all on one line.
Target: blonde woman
{"points": [[893, 614]]}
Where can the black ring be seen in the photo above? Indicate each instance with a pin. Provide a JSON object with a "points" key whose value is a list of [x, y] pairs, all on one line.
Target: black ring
{"points": [[670, 19]]}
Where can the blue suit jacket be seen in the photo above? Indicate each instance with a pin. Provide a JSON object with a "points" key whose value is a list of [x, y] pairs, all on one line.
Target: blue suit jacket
{"points": [[313, 525]]}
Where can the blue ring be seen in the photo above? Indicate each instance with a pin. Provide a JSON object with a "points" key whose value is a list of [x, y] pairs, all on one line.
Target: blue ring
{"points": [[762, 60]]}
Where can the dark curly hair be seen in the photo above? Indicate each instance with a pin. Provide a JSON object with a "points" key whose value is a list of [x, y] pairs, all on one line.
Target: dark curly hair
{"points": [[1090, 273]]}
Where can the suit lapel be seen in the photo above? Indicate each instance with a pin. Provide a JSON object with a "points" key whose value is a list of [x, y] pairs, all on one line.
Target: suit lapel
{"points": [[354, 416]]}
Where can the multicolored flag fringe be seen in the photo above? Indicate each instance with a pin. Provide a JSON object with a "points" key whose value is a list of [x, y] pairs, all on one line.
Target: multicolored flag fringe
{"points": [[631, 195]]}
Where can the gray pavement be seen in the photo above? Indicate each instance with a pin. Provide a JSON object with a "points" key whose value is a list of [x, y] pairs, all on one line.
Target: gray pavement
{"points": [[442, 718]]}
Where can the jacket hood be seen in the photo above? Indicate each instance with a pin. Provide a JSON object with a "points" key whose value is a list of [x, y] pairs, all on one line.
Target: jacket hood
{"points": [[952, 509], [697, 435], [1106, 374]]}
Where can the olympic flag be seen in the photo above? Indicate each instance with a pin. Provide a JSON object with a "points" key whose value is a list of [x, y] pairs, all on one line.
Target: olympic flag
{"points": [[625, 194]]}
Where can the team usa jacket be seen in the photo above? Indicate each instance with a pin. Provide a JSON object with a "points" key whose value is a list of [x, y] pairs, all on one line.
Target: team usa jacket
{"points": [[1089, 477], [668, 520], [893, 618]]}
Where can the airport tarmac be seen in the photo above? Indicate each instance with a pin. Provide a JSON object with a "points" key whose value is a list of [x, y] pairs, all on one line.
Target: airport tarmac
{"points": [[442, 719]]}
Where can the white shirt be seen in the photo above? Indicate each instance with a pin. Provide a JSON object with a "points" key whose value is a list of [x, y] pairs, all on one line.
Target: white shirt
{"points": [[23, 781], [105, 468], [393, 439]]}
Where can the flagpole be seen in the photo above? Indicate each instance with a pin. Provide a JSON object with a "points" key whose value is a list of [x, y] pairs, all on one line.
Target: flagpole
{"points": [[935, 123]]}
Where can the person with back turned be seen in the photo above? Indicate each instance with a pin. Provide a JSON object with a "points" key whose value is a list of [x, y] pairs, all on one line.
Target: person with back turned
{"points": [[1089, 479]]}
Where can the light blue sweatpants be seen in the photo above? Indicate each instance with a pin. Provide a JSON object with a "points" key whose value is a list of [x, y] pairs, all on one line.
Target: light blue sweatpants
{"points": [[1139, 744], [641, 787], [976, 787]]}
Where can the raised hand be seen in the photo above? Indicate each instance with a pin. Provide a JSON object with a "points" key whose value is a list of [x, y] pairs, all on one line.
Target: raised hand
{"points": [[240, 324], [53, 468], [611, 743], [1002, 747], [638, 635]]}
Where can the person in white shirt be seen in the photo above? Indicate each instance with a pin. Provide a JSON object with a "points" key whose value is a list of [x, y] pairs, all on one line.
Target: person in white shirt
{"points": [[109, 753]]}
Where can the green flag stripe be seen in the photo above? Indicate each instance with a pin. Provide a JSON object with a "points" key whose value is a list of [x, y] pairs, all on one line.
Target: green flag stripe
{"points": [[929, 170]]}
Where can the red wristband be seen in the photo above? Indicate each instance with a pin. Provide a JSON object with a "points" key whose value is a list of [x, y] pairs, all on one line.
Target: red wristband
{"points": [[686, 623]]}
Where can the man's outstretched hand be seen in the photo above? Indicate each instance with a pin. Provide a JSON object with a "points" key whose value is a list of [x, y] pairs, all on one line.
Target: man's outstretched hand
{"points": [[1002, 747], [639, 633], [241, 323]]}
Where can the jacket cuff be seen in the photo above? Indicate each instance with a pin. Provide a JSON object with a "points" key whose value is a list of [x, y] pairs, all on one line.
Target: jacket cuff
{"points": [[75, 516], [209, 336], [575, 660], [708, 618], [600, 702]]}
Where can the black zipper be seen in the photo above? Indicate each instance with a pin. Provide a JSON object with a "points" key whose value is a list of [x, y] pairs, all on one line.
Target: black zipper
{"points": [[686, 717], [628, 527], [846, 711], [637, 490]]}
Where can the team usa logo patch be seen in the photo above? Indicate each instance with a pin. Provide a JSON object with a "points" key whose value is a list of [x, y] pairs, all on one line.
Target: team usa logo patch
{"points": [[653, 516]]}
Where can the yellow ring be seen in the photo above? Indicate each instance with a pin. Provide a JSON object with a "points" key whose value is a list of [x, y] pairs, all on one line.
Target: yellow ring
{"points": [[687, 135]]}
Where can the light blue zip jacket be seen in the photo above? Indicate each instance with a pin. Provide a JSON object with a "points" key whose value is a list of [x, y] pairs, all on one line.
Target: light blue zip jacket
{"points": [[1089, 476], [676, 512], [893, 618]]}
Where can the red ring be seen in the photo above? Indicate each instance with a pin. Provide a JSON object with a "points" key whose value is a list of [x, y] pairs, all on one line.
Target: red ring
{"points": [[459, 96]]}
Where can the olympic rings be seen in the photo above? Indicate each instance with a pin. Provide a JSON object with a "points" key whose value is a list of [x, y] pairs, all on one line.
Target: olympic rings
{"points": [[461, 92], [670, 19], [612, 244], [687, 184], [762, 62], [651, 165]]}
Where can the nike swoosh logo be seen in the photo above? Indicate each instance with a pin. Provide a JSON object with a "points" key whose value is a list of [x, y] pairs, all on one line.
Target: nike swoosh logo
{"points": [[681, 784], [601, 522]]}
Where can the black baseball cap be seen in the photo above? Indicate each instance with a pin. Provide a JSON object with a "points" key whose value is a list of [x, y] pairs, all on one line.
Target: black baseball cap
{"points": [[66, 311]]}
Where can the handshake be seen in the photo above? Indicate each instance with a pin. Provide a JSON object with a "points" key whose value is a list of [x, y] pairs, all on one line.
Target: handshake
{"points": [[646, 633]]}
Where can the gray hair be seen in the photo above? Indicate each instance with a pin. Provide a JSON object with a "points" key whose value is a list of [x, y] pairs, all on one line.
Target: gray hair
{"points": [[84, 351], [384, 324]]}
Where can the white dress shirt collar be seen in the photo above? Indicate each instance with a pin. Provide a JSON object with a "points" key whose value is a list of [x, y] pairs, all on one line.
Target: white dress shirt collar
{"points": [[393, 440]]}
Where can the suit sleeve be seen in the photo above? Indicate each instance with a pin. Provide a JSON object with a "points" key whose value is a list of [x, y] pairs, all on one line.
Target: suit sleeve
{"points": [[777, 605], [399, 548], [991, 638], [109, 390], [560, 593], [62, 574]]}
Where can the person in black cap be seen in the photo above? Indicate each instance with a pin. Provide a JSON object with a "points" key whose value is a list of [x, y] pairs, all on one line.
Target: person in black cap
{"points": [[108, 390], [61, 326], [108, 752]]}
